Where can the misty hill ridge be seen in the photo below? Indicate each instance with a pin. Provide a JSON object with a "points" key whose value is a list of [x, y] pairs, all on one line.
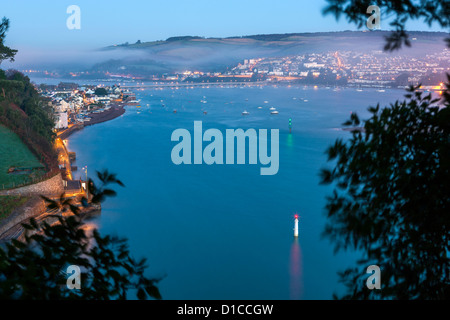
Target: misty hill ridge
{"points": [[285, 37], [216, 54]]}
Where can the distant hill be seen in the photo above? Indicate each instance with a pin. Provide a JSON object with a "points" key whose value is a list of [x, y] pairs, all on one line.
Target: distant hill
{"points": [[216, 54]]}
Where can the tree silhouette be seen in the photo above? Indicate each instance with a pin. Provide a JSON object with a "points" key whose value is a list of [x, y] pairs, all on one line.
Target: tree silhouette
{"points": [[391, 197], [429, 11], [36, 268], [5, 52]]}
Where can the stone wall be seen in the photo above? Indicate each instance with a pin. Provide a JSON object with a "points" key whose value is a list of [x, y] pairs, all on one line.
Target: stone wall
{"points": [[33, 207], [52, 186]]}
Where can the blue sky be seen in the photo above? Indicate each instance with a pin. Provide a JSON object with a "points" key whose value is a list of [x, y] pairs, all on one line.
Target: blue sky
{"points": [[38, 27], [42, 24]]}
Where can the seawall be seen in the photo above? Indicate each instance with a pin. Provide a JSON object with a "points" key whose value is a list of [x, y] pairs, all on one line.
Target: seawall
{"points": [[49, 187], [31, 208]]}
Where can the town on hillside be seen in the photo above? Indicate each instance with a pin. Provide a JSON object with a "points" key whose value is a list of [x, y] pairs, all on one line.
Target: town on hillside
{"points": [[353, 68], [77, 106]]}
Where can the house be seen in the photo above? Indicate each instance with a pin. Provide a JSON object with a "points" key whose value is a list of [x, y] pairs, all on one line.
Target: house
{"points": [[61, 120]]}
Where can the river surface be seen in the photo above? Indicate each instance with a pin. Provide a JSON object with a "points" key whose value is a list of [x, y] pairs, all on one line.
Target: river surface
{"points": [[225, 231]]}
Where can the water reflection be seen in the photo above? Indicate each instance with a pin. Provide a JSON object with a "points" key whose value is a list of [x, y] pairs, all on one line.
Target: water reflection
{"points": [[290, 141], [296, 271]]}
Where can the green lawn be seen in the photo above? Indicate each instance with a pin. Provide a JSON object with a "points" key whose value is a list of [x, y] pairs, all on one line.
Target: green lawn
{"points": [[13, 153], [9, 203]]}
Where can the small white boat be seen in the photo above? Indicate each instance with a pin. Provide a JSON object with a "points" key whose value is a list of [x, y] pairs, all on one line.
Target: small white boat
{"points": [[381, 90], [274, 112], [259, 107], [305, 100], [272, 109], [245, 113], [359, 90], [266, 101]]}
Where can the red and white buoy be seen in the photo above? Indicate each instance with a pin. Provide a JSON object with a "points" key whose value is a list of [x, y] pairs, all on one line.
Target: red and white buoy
{"points": [[296, 226]]}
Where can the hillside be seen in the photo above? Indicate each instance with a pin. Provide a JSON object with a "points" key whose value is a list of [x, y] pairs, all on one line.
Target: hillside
{"points": [[216, 54], [14, 153], [24, 112]]}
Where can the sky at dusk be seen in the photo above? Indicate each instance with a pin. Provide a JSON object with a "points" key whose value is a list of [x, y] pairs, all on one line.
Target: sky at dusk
{"points": [[43, 23], [37, 26]]}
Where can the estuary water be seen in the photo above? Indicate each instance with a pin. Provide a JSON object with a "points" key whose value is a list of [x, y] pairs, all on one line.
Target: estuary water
{"points": [[225, 231]]}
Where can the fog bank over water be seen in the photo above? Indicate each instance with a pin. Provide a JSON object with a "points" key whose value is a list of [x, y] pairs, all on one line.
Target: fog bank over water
{"points": [[177, 54], [67, 59]]}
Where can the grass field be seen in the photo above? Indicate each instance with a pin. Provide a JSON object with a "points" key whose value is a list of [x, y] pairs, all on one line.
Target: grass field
{"points": [[13, 153]]}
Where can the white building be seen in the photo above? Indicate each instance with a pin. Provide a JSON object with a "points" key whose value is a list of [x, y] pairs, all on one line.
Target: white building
{"points": [[63, 106], [314, 65], [61, 120]]}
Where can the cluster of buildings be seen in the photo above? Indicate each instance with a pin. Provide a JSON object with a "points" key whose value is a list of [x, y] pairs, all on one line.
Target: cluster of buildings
{"points": [[291, 66], [376, 68], [382, 68], [353, 68], [73, 104]]}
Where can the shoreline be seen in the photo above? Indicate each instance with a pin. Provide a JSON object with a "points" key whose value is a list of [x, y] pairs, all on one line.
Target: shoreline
{"points": [[170, 84], [96, 118], [115, 112]]}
